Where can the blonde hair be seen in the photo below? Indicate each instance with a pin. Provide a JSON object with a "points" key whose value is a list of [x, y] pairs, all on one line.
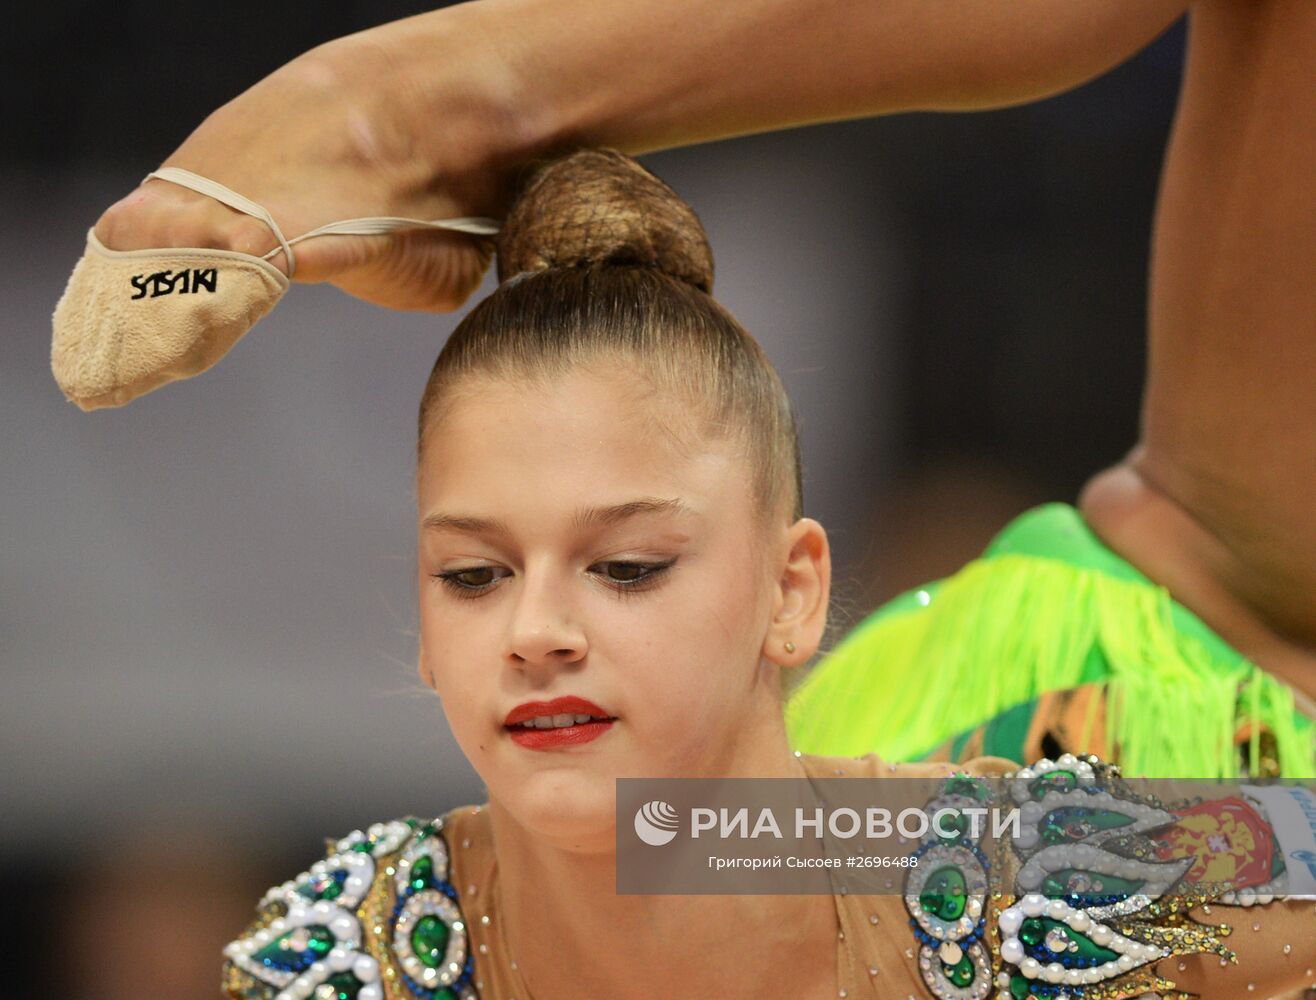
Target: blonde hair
{"points": [[600, 261]]}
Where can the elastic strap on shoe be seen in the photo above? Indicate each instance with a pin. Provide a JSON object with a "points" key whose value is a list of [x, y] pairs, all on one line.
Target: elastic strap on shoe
{"points": [[370, 226]]}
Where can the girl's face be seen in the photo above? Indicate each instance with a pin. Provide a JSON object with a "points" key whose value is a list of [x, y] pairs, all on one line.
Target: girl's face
{"points": [[584, 541]]}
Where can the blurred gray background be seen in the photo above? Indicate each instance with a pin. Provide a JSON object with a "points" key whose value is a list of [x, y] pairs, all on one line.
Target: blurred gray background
{"points": [[207, 626]]}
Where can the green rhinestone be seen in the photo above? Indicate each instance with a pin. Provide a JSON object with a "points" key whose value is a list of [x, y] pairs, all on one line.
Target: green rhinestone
{"points": [[1076, 880], [1053, 781], [346, 985], [1032, 932], [943, 894], [421, 872], [962, 974], [1087, 948], [1080, 818], [297, 949], [958, 822], [331, 886], [1018, 987], [962, 785], [429, 940]]}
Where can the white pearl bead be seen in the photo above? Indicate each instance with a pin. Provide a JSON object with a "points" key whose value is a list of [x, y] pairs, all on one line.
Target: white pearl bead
{"points": [[1125, 962], [340, 959], [1012, 951], [372, 991], [1080, 921], [1031, 968], [1056, 909], [1101, 934], [1033, 905], [344, 927], [365, 969], [1054, 972], [1010, 921]]}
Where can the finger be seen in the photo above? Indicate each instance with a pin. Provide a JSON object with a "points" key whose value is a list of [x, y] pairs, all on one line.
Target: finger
{"points": [[157, 215]]}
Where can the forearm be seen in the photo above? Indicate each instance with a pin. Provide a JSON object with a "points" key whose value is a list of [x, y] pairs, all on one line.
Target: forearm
{"points": [[653, 74]]}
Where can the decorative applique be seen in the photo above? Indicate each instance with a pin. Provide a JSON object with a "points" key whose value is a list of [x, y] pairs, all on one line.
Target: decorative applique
{"points": [[1088, 915], [377, 919], [946, 895]]}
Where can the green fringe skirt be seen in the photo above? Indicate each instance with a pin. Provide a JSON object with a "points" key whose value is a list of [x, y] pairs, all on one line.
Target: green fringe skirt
{"points": [[1046, 608]]}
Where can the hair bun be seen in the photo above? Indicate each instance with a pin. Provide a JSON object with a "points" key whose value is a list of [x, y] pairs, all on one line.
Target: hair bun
{"points": [[599, 206]]}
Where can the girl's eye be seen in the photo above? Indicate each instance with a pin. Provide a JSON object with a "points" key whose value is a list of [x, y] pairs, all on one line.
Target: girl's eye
{"points": [[473, 581], [470, 581], [631, 575]]}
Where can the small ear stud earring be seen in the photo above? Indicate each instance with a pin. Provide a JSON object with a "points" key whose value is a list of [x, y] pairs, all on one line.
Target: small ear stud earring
{"points": [[790, 646]]}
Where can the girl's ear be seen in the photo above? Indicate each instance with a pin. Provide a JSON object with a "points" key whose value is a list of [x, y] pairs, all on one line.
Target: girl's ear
{"points": [[804, 583]]}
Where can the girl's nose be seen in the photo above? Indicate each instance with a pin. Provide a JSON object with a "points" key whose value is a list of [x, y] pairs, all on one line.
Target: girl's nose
{"points": [[543, 632]]}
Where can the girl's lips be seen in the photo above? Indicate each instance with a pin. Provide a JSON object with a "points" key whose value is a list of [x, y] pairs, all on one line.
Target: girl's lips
{"points": [[567, 736], [569, 705]]}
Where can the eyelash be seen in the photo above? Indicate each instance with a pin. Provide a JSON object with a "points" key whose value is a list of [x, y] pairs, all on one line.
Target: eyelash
{"points": [[450, 579]]}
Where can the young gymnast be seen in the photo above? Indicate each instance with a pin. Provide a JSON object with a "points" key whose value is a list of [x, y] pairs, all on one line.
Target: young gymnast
{"points": [[614, 570], [1183, 587]]}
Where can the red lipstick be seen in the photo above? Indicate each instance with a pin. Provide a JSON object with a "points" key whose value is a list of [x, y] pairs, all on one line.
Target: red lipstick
{"points": [[533, 738]]}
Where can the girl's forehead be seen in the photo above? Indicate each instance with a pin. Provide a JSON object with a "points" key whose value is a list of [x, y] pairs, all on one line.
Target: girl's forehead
{"points": [[579, 413], [572, 443]]}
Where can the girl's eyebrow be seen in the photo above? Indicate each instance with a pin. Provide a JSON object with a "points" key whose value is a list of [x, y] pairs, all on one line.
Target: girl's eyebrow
{"points": [[586, 517]]}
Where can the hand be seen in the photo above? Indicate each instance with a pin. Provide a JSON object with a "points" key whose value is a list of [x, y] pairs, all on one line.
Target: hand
{"points": [[333, 135]]}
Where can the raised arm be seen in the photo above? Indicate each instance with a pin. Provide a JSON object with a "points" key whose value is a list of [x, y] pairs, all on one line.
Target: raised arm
{"points": [[432, 116], [648, 75]]}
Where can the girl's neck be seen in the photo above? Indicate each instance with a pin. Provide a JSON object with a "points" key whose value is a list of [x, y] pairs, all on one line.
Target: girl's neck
{"points": [[571, 935]]}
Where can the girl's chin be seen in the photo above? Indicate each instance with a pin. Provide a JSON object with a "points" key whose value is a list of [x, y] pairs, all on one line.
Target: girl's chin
{"points": [[576, 819], [584, 833]]}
